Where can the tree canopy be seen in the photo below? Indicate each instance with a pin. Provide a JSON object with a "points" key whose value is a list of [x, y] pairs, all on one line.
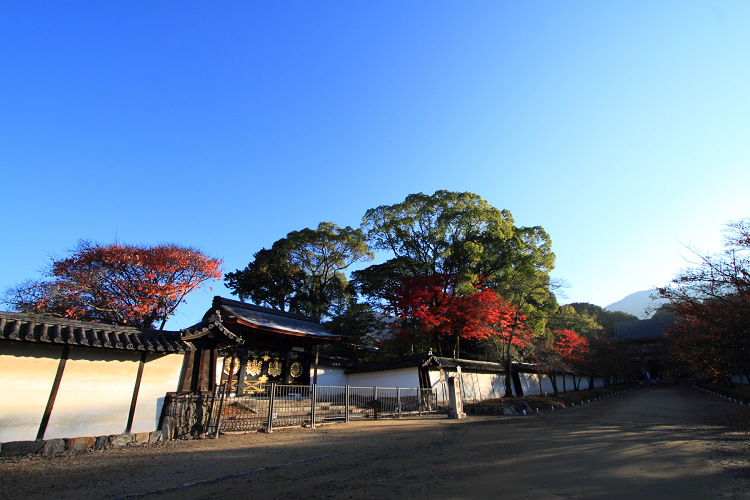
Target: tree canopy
{"points": [[712, 303], [459, 268], [303, 272], [450, 233], [121, 284]]}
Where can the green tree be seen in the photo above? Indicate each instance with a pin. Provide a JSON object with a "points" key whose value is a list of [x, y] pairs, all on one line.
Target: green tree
{"points": [[446, 233], [304, 272], [461, 235], [356, 326], [568, 318], [605, 318]]}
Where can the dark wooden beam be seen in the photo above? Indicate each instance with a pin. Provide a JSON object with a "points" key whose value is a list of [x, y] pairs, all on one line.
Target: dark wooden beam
{"points": [[315, 371], [53, 392], [136, 388]]}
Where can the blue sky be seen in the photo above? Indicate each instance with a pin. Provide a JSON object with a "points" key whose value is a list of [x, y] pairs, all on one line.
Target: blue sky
{"points": [[622, 128]]}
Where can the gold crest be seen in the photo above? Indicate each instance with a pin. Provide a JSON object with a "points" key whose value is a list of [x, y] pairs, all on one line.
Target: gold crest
{"points": [[254, 367], [274, 368]]}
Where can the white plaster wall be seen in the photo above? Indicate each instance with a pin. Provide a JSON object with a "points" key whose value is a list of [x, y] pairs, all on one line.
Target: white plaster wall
{"points": [[565, 383], [405, 377], [95, 393], [27, 372], [475, 386], [161, 374], [530, 383], [481, 386], [330, 376], [547, 385]]}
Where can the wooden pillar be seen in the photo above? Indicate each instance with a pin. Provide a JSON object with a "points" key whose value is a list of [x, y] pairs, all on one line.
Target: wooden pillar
{"points": [[230, 377], [53, 392], [136, 388], [315, 370], [241, 372]]}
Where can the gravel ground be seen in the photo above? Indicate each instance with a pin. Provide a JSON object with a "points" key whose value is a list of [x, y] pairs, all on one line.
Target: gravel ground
{"points": [[669, 442]]}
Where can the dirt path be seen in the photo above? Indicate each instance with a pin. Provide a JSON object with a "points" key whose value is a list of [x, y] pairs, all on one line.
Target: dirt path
{"points": [[670, 442]]}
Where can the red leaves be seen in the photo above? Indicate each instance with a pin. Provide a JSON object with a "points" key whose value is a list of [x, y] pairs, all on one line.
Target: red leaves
{"points": [[572, 348], [128, 284], [429, 305]]}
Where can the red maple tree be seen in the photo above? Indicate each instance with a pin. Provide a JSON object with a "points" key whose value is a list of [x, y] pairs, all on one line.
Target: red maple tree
{"points": [[429, 306], [117, 283], [572, 348]]}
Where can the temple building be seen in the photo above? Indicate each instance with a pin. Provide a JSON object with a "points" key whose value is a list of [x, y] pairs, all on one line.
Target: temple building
{"points": [[257, 345]]}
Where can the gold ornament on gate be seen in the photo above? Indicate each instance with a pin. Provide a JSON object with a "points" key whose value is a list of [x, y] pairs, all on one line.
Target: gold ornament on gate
{"points": [[228, 364], [274, 368], [296, 369], [254, 367]]}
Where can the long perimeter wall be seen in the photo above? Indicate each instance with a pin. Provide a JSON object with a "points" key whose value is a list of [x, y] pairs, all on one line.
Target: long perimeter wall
{"points": [[94, 390]]}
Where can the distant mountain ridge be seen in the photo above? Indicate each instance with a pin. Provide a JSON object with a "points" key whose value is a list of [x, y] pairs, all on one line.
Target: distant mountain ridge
{"points": [[637, 303]]}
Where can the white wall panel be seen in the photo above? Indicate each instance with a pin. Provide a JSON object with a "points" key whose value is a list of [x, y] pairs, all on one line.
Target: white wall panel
{"points": [[161, 374], [27, 372], [330, 376], [95, 393], [405, 377]]}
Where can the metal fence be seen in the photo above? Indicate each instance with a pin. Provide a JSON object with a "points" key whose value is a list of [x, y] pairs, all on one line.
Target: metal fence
{"points": [[275, 405]]}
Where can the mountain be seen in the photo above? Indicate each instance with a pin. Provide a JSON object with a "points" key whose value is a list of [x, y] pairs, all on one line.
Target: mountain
{"points": [[636, 303]]}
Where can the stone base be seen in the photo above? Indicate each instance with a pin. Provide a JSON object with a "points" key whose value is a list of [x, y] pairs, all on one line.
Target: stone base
{"points": [[458, 415]]}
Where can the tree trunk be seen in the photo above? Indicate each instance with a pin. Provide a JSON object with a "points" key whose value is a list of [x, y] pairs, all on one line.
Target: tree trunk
{"points": [[539, 378], [508, 361], [553, 379]]}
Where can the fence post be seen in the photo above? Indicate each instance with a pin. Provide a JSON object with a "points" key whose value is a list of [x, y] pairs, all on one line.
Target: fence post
{"points": [[398, 401], [346, 404], [313, 391], [224, 390], [375, 401], [271, 397], [419, 401]]}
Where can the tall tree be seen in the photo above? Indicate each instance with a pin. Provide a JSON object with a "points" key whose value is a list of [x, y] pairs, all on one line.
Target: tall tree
{"points": [[449, 233], [605, 318], [712, 303], [462, 236], [304, 272], [358, 328], [117, 283]]}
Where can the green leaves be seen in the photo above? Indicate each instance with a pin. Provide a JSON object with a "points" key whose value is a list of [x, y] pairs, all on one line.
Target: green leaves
{"points": [[304, 272]]}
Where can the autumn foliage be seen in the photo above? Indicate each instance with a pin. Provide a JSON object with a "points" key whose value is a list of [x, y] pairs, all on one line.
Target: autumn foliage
{"points": [[429, 306], [117, 283], [572, 348], [711, 301]]}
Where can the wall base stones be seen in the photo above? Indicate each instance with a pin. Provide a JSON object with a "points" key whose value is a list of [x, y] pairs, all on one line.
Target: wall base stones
{"points": [[80, 443], [21, 448], [53, 447]]}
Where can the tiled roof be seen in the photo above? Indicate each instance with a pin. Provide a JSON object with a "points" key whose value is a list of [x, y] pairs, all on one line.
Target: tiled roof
{"points": [[643, 329], [22, 327], [427, 359], [264, 318], [324, 359], [208, 328]]}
